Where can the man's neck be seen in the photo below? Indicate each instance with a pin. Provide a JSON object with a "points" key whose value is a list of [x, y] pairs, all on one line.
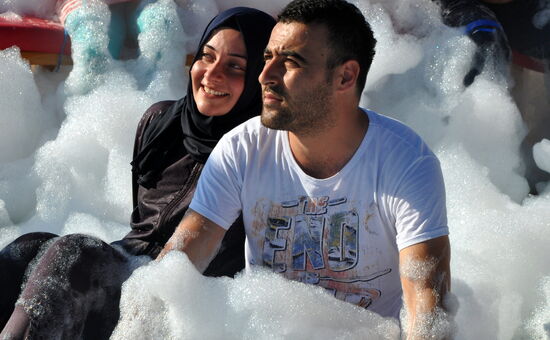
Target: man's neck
{"points": [[325, 153]]}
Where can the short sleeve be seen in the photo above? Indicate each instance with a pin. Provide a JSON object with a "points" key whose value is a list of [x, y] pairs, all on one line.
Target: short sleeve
{"points": [[419, 203], [217, 196]]}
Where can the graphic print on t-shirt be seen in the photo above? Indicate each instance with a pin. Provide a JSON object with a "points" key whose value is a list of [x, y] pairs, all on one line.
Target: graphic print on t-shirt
{"points": [[315, 240]]}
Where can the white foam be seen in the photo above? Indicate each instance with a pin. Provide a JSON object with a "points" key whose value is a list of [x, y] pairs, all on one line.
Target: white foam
{"points": [[86, 168], [38, 8], [79, 223], [541, 153], [22, 115], [88, 28], [4, 216], [11, 16], [538, 326], [256, 305], [542, 17]]}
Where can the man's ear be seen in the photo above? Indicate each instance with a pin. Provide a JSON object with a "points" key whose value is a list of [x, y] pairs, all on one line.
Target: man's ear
{"points": [[348, 73]]}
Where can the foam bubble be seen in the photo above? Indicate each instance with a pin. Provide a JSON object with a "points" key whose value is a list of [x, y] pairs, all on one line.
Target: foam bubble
{"points": [[434, 325], [542, 17], [78, 223], [541, 153], [88, 162], [88, 28], [538, 327], [11, 16], [22, 115], [162, 45], [257, 304], [4, 216], [38, 8]]}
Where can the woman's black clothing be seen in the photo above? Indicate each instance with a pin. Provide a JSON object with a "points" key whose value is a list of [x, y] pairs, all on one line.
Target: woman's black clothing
{"points": [[159, 209]]}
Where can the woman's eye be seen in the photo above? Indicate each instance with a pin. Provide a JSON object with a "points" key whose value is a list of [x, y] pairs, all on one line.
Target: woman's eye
{"points": [[237, 67], [207, 57]]}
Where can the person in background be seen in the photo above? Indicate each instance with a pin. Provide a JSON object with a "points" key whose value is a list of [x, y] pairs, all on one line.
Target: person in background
{"points": [[331, 194], [497, 26], [483, 28], [500, 29], [72, 289]]}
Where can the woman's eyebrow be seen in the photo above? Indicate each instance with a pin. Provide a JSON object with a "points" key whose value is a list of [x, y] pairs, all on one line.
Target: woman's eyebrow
{"points": [[231, 54]]}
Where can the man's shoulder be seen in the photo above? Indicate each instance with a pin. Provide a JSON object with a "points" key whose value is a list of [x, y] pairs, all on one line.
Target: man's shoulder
{"points": [[387, 124], [394, 132], [247, 127], [241, 147], [251, 131]]}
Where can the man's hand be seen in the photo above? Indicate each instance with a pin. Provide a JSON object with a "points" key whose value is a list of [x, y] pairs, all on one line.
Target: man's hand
{"points": [[196, 236], [425, 278]]}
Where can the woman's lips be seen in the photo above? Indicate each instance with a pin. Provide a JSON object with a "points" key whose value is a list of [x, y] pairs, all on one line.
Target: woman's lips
{"points": [[213, 92]]}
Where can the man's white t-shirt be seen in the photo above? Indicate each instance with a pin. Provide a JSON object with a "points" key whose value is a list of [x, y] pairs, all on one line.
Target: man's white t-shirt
{"points": [[343, 233]]}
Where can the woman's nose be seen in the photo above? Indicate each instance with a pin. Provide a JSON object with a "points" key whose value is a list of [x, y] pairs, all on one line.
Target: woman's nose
{"points": [[214, 72]]}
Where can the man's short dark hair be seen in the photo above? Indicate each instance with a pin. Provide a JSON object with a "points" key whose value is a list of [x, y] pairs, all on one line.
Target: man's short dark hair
{"points": [[350, 36]]}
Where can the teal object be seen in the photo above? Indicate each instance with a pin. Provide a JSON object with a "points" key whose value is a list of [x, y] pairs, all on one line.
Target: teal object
{"points": [[117, 29], [88, 42], [83, 29]]}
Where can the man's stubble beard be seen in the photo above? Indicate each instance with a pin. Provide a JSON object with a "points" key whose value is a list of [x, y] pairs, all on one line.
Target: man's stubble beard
{"points": [[307, 115]]}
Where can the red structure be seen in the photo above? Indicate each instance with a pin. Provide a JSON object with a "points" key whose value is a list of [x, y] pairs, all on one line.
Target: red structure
{"points": [[42, 42]]}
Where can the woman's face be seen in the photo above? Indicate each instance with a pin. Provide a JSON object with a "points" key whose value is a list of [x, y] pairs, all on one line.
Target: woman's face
{"points": [[218, 74]]}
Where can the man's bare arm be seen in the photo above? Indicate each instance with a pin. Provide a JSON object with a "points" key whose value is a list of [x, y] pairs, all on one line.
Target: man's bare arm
{"points": [[196, 236], [426, 278]]}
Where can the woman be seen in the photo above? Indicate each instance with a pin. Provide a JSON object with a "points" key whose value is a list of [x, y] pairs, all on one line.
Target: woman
{"points": [[74, 289]]}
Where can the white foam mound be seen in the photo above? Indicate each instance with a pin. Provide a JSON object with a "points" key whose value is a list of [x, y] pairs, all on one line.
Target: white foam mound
{"points": [[39, 8], [171, 300], [541, 153], [21, 115], [539, 325], [542, 17], [4, 216]]}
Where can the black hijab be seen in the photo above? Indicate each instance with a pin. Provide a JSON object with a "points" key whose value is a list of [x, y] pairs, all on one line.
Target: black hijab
{"points": [[182, 125]]}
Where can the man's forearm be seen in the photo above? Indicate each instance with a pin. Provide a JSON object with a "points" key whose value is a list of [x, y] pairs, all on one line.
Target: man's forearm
{"points": [[424, 307], [177, 241], [425, 276], [198, 237]]}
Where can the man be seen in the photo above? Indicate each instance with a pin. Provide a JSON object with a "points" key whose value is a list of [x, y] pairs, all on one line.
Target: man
{"points": [[331, 194]]}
